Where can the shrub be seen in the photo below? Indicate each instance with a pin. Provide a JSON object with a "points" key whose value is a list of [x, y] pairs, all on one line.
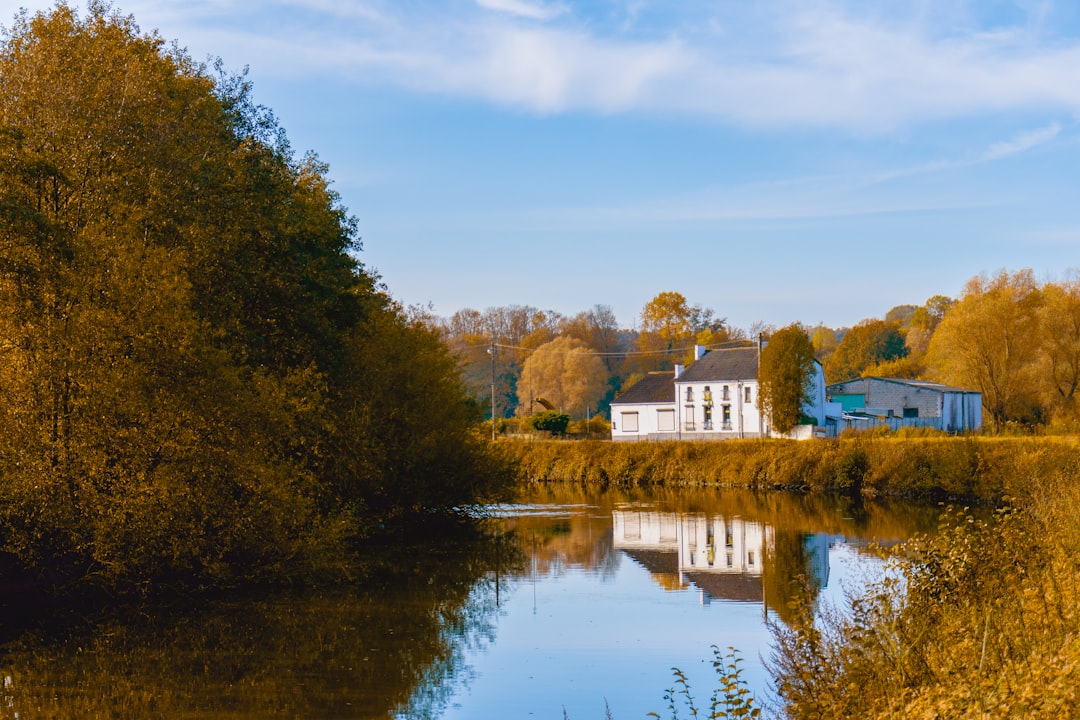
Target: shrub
{"points": [[550, 421]]}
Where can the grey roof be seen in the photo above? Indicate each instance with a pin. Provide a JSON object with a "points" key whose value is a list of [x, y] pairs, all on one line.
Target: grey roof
{"points": [[740, 587], [725, 365], [651, 389], [655, 561], [922, 384]]}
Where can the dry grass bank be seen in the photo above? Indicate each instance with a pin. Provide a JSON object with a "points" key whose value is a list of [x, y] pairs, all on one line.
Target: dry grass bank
{"points": [[989, 469]]}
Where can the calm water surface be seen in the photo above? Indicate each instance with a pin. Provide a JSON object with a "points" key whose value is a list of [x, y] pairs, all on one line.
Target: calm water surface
{"points": [[570, 601]]}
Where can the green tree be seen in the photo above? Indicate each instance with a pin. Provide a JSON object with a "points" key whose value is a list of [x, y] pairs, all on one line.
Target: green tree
{"points": [[785, 376]]}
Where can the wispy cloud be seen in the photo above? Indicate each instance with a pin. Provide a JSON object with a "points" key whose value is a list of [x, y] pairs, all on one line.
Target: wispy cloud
{"points": [[812, 68], [521, 8], [1021, 143], [830, 64]]}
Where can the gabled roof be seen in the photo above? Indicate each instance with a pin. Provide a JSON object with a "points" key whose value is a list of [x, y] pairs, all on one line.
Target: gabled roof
{"points": [[725, 365], [920, 384], [651, 389]]}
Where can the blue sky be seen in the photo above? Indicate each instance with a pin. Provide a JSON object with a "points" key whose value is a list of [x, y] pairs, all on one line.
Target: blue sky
{"points": [[777, 160]]}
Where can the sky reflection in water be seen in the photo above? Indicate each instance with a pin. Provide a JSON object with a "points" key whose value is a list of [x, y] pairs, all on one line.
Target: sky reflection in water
{"points": [[616, 594]]}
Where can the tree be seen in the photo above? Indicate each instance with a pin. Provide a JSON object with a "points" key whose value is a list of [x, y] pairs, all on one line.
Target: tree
{"points": [[901, 315], [987, 341], [670, 326], [598, 329], [825, 343], [192, 356], [1059, 329], [785, 377], [924, 322], [863, 346], [512, 329], [565, 373]]}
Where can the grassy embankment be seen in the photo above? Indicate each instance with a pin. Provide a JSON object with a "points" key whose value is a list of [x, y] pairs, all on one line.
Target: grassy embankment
{"points": [[980, 620], [973, 468]]}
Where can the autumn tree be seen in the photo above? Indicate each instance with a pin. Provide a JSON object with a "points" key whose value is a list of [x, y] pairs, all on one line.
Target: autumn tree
{"points": [[1059, 361], [785, 377], [988, 341], [566, 374], [512, 331], [670, 326], [598, 329], [901, 315], [924, 322], [863, 346], [192, 358], [825, 343]]}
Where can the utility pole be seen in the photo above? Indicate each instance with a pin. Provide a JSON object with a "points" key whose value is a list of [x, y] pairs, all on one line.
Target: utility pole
{"points": [[491, 351]]}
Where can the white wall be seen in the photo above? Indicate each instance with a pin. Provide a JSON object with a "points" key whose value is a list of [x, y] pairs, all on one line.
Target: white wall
{"points": [[743, 413], [648, 417]]}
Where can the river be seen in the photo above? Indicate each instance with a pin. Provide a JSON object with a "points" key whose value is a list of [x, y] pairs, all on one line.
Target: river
{"points": [[563, 603]]}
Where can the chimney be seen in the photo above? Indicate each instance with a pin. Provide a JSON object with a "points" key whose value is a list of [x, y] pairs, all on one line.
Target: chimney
{"points": [[699, 351], [678, 370]]}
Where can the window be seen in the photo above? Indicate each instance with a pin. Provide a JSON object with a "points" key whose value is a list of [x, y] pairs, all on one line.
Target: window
{"points": [[688, 423], [708, 417], [726, 417], [911, 412], [724, 394], [747, 389], [665, 420], [708, 395], [629, 422], [689, 394]]}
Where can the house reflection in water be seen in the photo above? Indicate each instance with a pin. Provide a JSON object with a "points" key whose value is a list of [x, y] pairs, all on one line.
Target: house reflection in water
{"points": [[724, 558]]}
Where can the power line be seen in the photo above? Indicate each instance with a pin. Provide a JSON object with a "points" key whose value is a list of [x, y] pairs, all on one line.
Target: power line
{"points": [[632, 353]]}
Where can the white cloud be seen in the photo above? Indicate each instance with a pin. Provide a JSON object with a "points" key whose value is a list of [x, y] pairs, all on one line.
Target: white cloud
{"points": [[810, 69], [777, 64], [520, 8], [1021, 143]]}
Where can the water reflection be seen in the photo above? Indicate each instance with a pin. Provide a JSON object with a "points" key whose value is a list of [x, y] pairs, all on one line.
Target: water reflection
{"points": [[619, 587], [559, 602], [722, 557], [393, 646]]}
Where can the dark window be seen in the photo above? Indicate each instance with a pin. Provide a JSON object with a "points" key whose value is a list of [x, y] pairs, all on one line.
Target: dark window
{"points": [[911, 412]]}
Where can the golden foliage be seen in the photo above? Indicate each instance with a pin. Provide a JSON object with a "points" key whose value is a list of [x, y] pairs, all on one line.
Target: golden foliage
{"points": [[565, 373]]}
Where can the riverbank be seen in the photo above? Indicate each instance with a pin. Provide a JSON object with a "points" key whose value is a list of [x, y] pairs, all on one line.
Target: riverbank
{"points": [[981, 619], [972, 468]]}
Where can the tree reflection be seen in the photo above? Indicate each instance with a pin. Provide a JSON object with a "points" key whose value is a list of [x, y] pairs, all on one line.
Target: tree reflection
{"points": [[768, 547], [395, 644]]}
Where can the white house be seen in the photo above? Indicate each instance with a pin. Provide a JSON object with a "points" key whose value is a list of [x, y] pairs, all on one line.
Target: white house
{"points": [[715, 398], [897, 402], [646, 411]]}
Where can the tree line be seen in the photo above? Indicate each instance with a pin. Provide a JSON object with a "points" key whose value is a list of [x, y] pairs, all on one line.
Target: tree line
{"points": [[199, 384], [576, 363], [1011, 338]]}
